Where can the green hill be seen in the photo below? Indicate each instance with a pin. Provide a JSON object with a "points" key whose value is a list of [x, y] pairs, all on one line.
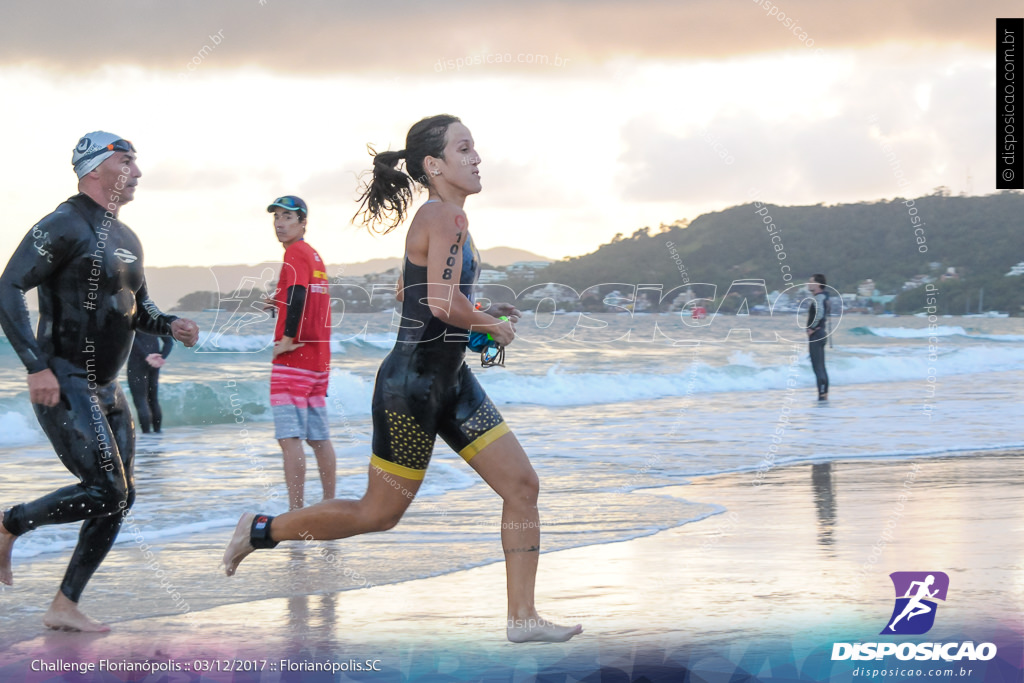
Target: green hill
{"points": [[982, 237]]}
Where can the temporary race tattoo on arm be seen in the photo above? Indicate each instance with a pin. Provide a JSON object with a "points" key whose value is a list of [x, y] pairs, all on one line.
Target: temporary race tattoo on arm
{"points": [[531, 549], [460, 223]]}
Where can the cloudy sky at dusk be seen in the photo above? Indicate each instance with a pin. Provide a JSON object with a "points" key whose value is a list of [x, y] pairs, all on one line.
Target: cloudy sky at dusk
{"points": [[644, 112]]}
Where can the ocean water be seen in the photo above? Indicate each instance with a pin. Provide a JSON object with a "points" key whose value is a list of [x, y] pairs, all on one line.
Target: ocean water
{"points": [[608, 415]]}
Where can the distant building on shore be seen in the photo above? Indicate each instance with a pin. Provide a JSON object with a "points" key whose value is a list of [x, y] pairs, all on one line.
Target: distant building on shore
{"points": [[556, 292], [1016, 270], [527, 270], [917, 281], [488, 276]]}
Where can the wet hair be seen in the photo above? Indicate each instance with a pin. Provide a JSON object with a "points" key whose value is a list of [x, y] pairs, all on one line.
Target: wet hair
{"points": [[819, 278], [387, 195]]}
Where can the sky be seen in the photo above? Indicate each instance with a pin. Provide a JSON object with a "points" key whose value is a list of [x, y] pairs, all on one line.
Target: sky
{"points": [[591, 118]]}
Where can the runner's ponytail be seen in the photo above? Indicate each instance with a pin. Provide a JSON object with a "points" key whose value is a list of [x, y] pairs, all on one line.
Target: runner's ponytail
{"points": [[387, 195]]}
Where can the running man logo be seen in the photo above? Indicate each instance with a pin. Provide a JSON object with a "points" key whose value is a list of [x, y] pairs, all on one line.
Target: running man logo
{"points": [[914, 598]]}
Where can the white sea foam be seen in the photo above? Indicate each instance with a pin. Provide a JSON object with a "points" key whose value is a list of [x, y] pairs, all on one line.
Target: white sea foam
{"points": [[350, 394], [258, 343], [18, 430], [938, 331], [559, 388], [916, 332]]}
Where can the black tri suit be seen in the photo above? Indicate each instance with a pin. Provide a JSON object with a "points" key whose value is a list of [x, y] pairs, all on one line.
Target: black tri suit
{"points": [[424, 388]]}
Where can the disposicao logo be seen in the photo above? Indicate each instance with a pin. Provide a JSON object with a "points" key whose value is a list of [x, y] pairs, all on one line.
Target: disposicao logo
{"points": [[916, 592], [914, 614]]}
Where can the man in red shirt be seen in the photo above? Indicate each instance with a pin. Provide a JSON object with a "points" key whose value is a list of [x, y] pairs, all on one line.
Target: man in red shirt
{"points": [[302, 353]]}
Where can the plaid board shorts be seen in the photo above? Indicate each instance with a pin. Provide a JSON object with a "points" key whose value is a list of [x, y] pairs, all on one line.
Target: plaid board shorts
{"points": [[298, 399]]}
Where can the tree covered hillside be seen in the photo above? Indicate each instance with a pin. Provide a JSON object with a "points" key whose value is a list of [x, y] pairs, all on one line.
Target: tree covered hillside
{"points": [[982, 237]]}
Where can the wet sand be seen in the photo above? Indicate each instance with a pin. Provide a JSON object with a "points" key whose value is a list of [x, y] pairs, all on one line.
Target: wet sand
{"points": [[799, 560]]}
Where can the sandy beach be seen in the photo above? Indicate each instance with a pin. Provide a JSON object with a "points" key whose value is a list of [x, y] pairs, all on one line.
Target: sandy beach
{"points": [[799, 560], [757, 284]]}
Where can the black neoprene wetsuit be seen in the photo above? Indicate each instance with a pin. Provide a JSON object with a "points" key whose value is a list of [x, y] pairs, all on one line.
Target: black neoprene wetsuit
{"points": [[817, 323], [87, 266], [144, 379], [424, 387]]}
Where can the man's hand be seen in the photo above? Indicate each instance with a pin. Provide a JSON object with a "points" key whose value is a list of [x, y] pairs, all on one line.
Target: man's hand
{"points": [[507, 310], [186, 331], [285, 345], [43, 388], [155, 360], [810, 332]]}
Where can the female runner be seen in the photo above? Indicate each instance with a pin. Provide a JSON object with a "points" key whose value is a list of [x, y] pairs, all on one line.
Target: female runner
{"points": [[424, 387]]}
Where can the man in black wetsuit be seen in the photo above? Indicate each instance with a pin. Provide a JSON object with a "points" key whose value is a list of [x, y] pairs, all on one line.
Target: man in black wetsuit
{"points": [[87, 266], [817, 332], [144, 363]]}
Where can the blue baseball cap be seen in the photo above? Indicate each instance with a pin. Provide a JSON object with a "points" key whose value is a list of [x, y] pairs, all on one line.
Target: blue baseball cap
{"points": [[290, 202]]}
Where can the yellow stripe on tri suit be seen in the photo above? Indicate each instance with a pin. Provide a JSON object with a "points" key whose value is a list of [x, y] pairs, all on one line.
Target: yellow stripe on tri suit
{"points": [[484, 440], [397, 469]]}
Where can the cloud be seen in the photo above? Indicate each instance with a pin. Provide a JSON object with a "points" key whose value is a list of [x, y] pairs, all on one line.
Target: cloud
{"points": [[511, 184], [340, 186], [507, 185], [331, 36], [187, 177], [828, 157]]}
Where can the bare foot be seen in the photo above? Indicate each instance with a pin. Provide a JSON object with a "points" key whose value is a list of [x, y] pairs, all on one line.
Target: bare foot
{"points": [[6, 546], [539, 630], [64, 615], [239, 546]]}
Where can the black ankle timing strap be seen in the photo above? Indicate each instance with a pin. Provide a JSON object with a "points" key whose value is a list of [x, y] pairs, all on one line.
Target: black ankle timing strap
{"points": [[259, 534]]}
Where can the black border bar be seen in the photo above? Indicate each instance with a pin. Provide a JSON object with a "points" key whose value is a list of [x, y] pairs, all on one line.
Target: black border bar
{"points": [[1009, 104]]}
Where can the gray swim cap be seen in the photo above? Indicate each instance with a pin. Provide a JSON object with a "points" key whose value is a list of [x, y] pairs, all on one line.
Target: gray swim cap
{"points": [[94, 148]]}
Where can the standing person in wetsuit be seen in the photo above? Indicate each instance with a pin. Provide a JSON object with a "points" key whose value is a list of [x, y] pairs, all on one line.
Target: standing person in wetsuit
{"points": [[302, 353], [817, 332], [148, 355], [87, 266], [424, 387]]}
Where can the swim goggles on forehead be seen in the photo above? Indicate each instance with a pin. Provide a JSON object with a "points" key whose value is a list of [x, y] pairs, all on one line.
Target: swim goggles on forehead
{"points": [[288, 202], [115, 146]]}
